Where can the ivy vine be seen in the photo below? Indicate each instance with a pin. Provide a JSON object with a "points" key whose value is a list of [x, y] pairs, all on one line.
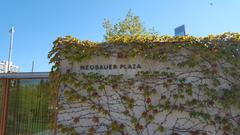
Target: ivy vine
{"points": [[201, 99]]}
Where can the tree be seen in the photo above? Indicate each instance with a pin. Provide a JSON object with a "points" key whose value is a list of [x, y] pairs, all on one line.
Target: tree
{"points": [[131, 26]]}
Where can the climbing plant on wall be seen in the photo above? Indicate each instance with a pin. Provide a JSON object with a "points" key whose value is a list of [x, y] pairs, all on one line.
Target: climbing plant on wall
{"points": [[197, 93]]}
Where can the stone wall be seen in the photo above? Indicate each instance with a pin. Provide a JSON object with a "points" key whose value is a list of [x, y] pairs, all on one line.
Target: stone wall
{"points": [[118, 95]]}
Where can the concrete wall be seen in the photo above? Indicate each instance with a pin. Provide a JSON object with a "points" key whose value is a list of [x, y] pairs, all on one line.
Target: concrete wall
{"points": [[110, 99]]}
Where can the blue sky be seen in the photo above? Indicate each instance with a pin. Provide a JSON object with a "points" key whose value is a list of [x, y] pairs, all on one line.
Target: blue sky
{"points": [[39, 22]]}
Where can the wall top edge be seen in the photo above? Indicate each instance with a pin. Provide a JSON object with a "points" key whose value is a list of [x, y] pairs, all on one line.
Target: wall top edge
{"points": [[24, 75]]}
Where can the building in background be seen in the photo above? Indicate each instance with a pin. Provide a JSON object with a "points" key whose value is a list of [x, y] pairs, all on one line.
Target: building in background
{"points": [[4, 67], [180, 31]]}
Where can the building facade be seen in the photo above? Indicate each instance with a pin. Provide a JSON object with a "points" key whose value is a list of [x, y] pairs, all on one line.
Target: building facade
{"points": [[4, 67]]}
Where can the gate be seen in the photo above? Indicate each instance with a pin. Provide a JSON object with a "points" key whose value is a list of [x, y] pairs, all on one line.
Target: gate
{"points": [[24, 104]]}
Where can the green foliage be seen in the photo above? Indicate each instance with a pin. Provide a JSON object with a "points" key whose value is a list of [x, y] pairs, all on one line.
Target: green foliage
{"points": [[28, 107], [130, 26]]}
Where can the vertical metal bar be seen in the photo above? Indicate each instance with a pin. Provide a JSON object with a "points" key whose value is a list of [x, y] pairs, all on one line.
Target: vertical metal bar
{"points": [[2, 109], [1, 102], [5, 107], [2, 99], [16, 106]]}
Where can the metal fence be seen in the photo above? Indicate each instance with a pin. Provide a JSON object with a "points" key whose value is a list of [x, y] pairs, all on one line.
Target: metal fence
{"points": [[24, 104]]}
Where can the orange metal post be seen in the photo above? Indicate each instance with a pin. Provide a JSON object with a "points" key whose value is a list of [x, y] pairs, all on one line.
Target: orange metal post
{"points": [[4, 112]]}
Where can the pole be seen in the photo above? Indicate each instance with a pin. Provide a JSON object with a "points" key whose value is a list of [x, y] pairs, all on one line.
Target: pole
{"points": [[32, 66], [12, 30], [4, 111]]}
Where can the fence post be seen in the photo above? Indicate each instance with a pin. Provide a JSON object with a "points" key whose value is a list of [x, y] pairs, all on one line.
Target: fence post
{"points": [[4, 112]]}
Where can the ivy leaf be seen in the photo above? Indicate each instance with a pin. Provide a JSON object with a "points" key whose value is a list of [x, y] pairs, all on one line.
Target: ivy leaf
{"points": [[161, 129], [95, 119], [148, 100], [189, 91], [134, 120], [76, 120]]}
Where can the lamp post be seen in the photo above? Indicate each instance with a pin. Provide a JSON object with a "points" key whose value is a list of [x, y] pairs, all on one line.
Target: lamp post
{"points": [[12, 30]]}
